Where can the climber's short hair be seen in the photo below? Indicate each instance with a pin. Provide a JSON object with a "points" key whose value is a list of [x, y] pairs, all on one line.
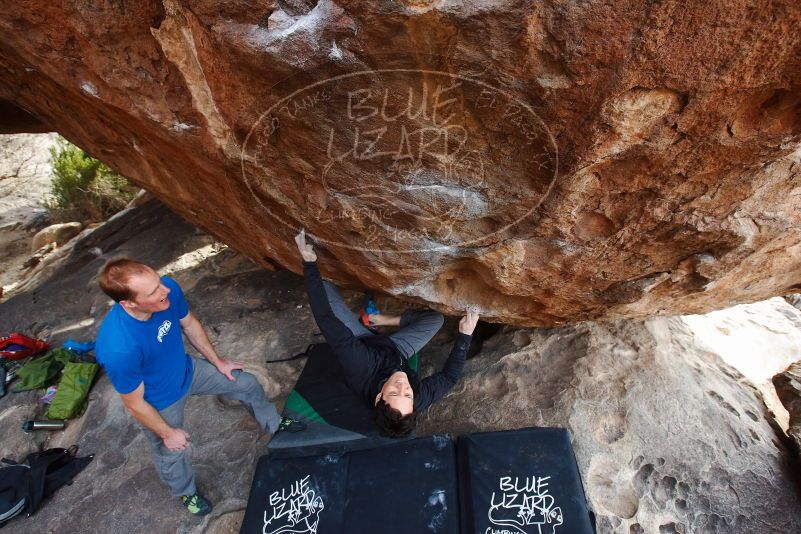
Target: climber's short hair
{"points": [[114, 276], [391, 423]]}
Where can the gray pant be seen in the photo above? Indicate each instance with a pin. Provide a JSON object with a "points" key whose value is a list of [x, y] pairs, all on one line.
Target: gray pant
{"points": [[416, 327], [173, 466]]}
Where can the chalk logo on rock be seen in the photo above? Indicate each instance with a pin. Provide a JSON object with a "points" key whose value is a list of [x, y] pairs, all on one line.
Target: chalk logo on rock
{"points": [[398, 159], [293, 510], [523, 506], [163, 330]]}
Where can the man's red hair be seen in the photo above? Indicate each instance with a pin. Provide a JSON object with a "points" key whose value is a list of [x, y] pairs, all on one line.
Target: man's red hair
{"points": [[114, 276]]}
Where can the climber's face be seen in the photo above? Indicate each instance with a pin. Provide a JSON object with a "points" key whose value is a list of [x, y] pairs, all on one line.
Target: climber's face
{"points": [[397, 392], [150, 295]]}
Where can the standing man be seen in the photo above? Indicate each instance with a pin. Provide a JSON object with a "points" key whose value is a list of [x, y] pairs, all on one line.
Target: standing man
{"points": [[140, 346], [376, 366]]}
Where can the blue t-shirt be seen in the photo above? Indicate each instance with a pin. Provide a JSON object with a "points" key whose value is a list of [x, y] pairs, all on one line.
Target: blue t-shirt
{"points": [[133, 351]]}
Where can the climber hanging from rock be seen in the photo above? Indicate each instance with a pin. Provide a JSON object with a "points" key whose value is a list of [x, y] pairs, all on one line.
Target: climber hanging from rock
{"points": [[376, 365]]}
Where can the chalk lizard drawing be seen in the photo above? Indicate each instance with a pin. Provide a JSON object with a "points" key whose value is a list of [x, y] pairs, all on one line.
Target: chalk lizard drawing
{"points": [[519, 507], [300, 510]]}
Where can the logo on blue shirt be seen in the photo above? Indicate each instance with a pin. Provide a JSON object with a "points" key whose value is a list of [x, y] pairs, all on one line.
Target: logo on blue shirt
{"points": [[163, 329]]}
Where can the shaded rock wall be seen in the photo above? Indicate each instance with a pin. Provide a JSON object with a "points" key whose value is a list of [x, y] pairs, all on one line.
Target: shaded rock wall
{"points": [[788, 389], [548, 162]]}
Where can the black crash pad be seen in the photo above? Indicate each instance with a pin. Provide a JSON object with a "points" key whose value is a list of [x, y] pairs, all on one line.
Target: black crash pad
{"points": [[409, 486], [521, 482], [512, 482]]}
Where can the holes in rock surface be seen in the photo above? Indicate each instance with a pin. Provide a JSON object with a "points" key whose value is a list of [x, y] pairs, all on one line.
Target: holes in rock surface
{"points": [[610, 490], [642, 477], [665, 489], [672, 528], [710, 524], [720, 400], [603, 524]]}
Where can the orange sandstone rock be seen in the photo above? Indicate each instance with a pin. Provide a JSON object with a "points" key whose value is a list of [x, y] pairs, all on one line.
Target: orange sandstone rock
{"points": [[547, 163]]}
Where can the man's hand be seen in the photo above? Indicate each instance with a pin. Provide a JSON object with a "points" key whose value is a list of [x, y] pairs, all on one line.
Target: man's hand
{"points": [[468, 323], [306, 250], [177, 439], [226, 367]]}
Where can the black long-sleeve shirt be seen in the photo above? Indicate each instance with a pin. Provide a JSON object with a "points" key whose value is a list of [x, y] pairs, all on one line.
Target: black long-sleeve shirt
{"points": [[369, 360]]}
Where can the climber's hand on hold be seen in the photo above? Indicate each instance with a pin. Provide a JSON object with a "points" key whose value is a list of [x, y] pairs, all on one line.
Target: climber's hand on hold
{"points": [[468, 322], [306, 250]]}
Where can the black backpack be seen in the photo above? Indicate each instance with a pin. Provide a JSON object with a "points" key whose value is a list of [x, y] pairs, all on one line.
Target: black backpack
{"points": [[23, 486]]}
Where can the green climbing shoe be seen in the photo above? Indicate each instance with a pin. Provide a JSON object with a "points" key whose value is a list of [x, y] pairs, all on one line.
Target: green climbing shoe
{"points": [[196, 504], [291, 425]]}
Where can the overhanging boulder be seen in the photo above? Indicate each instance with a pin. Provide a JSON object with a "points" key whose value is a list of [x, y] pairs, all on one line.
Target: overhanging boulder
{"points": [[546, 163]]}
